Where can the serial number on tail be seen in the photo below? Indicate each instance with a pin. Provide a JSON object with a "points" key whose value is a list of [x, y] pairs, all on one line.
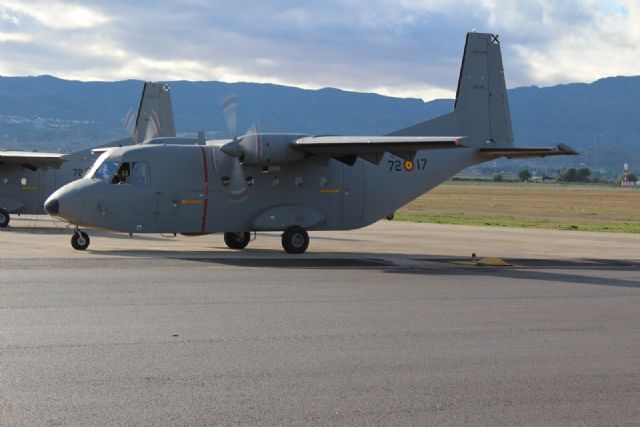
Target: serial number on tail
{"points": [[399, 165]]}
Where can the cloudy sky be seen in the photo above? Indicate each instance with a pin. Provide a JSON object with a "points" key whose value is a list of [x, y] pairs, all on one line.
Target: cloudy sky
{"points": [[408, 48]]}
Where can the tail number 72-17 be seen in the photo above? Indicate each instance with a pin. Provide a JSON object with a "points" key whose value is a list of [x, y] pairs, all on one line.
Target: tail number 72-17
{"points": [[400, 165]]}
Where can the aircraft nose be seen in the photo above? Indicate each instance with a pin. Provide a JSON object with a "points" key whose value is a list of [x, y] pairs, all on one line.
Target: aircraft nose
{"points": [[52, 207], [66, 202]]}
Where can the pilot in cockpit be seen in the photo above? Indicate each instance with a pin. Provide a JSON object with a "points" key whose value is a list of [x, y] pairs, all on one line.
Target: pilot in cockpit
{"points": [[123, 175]]}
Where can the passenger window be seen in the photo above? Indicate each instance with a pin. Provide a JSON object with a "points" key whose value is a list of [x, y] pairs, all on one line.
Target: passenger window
{"points": [[123, 176], [140, 173]]}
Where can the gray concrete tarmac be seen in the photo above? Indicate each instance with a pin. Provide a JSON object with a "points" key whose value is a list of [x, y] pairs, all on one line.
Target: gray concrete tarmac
{"points": [[381, 326]]}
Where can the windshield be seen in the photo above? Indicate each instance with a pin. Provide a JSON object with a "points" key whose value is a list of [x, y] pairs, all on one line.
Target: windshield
{"points": [[95, 165], [105, 171]]}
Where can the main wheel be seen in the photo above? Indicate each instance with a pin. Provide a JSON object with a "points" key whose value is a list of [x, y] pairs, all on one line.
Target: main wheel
{"points": [[4, 218], [295, 240], [238, 240], [80, 240]]}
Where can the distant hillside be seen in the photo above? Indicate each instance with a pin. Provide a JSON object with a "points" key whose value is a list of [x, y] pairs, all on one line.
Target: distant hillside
{"points": [[599, 119]]}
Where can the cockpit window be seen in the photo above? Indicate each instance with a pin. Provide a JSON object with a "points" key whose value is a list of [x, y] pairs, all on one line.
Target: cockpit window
{"points": [[123, 176], [136, 173], [105, 171], [99, 161], [140, 173]]}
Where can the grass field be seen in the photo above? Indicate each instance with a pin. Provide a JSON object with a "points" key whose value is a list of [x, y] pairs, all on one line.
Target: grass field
{"points": [[564, 207]]}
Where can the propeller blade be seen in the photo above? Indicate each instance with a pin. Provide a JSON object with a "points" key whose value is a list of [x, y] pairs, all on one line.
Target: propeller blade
{"points": [[230, 167], [153, 126], [230, 111], [251, 143], [232, 152], [238, 190], [128, 123]]}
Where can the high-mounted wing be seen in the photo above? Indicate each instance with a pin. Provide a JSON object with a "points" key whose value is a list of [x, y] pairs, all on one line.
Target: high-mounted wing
{"points": [[31, 160], [524, 152], [371, 148]]}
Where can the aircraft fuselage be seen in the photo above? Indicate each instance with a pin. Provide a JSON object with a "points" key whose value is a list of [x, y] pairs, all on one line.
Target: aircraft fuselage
{"points": [[199, 190]]}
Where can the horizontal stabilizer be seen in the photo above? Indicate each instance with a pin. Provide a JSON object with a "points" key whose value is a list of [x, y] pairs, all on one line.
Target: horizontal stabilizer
{"points": [[31, 160], [371, 148], [521, 153]]}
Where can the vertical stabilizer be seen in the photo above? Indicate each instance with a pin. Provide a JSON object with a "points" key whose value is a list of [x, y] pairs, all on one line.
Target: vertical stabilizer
{"points": [[481, 111], [155, 114]]}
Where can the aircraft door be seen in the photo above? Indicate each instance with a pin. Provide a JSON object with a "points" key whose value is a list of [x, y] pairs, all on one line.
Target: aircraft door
{"points": [[167, 210], [353, 190], [180, 197]]}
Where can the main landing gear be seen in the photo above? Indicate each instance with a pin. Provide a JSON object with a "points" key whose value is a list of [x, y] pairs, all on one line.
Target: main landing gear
{"points": [[295, 239], [4, 218], [80, 240], [238, 240]]}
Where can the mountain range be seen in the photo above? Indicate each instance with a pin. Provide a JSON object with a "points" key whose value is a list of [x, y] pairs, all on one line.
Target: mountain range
{"points": [[598, 119]]}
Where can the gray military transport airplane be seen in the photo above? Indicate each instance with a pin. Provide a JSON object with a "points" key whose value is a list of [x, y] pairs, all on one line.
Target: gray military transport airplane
{"points": [[294, 183], [28, 178]]}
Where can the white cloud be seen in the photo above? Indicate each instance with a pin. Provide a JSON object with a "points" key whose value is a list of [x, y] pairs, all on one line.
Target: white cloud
{"points": [[14, 37], [394, 47], [59, 15], [9, 19]]}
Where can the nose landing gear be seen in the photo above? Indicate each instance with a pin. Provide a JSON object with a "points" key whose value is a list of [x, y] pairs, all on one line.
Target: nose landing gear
{"points": [[80, 240], [4, 218]]}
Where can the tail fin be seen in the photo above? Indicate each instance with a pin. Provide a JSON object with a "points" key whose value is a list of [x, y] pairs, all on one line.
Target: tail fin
{"points": [[481, 111], [155, 114]]}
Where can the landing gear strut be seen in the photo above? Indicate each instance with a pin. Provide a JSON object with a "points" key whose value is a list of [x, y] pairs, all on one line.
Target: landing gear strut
{"points": [[295, 240], [80, 240], [238, 240], [4, 218]]}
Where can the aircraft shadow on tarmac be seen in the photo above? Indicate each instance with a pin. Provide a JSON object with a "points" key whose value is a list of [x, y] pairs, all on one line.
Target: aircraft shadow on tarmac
{"points": [[63, 229], [557, 271], [562, 271]]}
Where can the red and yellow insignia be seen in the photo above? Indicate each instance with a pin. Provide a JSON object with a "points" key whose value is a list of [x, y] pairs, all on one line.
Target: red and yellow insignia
{"points": [[408, 165]]}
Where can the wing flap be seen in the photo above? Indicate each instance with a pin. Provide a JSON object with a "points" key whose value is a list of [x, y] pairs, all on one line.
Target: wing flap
{"points": [[31, 160], [525, 152], [371, 148]]}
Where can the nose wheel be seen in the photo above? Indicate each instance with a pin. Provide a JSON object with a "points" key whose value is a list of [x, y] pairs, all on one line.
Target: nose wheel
{"points": [[4, 218], [295, 240], [80, 240]]}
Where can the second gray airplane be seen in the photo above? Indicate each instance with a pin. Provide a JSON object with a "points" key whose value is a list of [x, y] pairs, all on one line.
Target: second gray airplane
{"points": [[294, 183], [28, 178]]}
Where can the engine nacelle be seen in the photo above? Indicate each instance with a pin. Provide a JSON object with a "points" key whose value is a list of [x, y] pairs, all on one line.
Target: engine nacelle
{"points": [[270, 149]]}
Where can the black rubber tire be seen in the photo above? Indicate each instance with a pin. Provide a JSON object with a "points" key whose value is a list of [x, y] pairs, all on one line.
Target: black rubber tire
{"points": [[238, 240], [295, 240], [4, 218], [80, 240]]}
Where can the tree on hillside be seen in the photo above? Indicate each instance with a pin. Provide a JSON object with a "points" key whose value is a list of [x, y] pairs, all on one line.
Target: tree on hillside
{"points": [[632, 177], [575, 175], [567, 176], [524, 175], [498, 177], [582, 175]]}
